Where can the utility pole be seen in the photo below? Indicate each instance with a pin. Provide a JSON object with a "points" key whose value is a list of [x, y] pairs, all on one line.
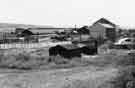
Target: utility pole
{"points": [[75, 27]]}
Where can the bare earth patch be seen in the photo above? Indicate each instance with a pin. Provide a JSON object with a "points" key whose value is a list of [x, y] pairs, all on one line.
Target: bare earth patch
{"points": [[79, 77]]}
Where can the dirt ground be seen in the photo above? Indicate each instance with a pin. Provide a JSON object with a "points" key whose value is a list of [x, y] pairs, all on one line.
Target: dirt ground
{"points": [[90, 76], [79, 77]]}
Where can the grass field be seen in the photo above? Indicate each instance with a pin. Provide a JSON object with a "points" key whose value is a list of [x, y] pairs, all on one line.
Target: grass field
{"points": [[32, 70]]}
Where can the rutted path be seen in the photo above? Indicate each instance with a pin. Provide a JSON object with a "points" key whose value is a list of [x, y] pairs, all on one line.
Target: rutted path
{"points": [[64, 78]]}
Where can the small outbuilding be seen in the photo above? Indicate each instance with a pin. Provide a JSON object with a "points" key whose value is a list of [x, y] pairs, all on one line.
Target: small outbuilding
{"points": [[90, 47], [74, 50], [66, 51]]}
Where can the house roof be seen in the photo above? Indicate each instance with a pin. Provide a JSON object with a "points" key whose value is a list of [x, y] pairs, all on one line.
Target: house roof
{"points": [[106, 25], [105, 22]]}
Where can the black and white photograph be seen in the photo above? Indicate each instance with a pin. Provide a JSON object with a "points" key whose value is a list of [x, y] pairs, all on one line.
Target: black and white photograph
{"points": [[67, 44]]}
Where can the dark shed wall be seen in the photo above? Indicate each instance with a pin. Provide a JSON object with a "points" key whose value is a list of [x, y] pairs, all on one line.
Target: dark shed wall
{"points": [[65, 51], [111, 34]]}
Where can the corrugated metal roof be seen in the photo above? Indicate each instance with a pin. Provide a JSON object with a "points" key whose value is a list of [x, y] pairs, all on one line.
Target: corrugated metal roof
{"points": [[70, 46], [106, 25], [105, 21]]}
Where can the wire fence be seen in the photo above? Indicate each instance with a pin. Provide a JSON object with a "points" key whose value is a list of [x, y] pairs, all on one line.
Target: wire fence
{"points": [[31, 45], [12, 40]]}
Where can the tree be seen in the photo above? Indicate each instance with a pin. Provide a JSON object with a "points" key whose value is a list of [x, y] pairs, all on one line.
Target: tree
{"points": [[83, 30]]}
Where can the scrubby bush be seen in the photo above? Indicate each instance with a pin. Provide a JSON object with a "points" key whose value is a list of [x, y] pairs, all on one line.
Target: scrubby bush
{"points": [[125, 78], [78, 84], [58, 59], [104, 48], [30, 60], [125, 60], [22, 60], [61, 62], [126, 75]]}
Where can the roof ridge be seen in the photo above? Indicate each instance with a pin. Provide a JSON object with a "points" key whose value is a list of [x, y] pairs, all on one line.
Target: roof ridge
{"points": [[105, 21]]}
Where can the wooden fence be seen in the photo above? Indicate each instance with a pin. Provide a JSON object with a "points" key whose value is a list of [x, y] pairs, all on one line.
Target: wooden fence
{"points": [[31, 45]]}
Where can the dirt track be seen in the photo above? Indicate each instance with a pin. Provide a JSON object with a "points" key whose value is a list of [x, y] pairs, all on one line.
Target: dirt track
{"points": [[88, 77]]}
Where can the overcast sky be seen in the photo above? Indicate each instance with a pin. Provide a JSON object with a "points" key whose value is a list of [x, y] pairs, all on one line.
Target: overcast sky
{"points": [[67, 12]]}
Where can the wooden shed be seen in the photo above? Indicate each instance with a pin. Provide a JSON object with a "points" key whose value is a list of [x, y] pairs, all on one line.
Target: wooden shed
{"points": [[90, 47], [74, 50], [66, 51], [104, 29]]}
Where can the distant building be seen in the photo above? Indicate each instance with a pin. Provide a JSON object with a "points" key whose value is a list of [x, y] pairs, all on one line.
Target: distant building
{"points": [[104, 29], [80, 38], [40, 30], [80, 34], [37, 33]]}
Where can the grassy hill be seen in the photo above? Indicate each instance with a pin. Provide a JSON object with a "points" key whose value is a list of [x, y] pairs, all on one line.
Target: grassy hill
{"points": [[12, 25], [4, 27]]}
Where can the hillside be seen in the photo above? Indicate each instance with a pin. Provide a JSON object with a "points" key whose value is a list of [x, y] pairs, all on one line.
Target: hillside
{"points": [[12, 25], [8, 27]]}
